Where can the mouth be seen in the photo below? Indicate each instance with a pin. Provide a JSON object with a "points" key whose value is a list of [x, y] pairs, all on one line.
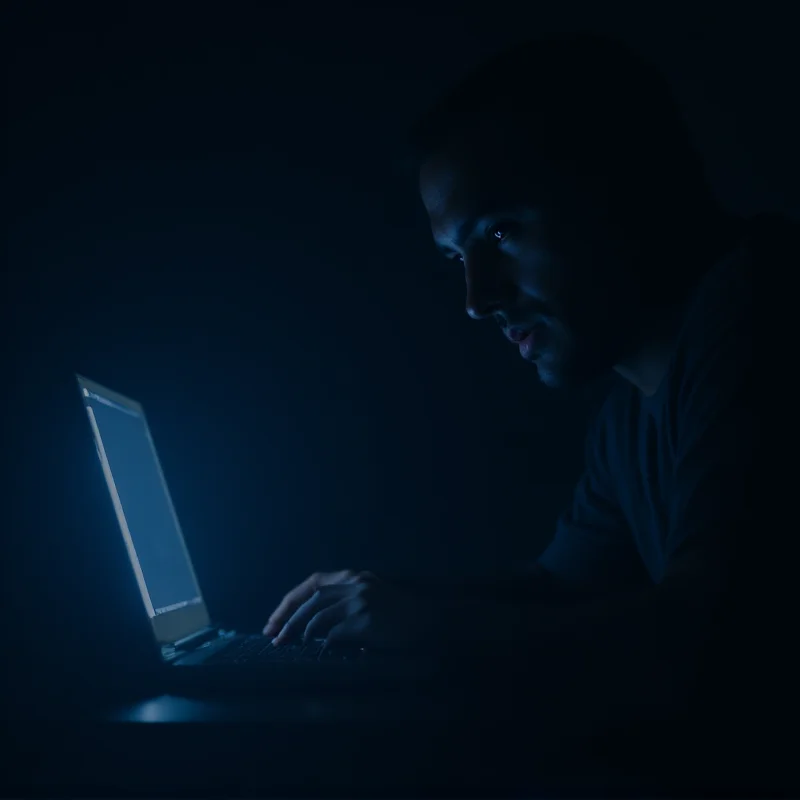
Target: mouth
{"points": [[530, 339], [517, 335]]}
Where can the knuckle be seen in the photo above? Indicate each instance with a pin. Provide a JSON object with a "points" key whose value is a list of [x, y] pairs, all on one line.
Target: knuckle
{"points": [[313, 624], [358, 605]]}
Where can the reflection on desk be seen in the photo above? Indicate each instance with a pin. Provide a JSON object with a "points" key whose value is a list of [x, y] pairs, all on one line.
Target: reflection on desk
{"points": [[284, 709]]}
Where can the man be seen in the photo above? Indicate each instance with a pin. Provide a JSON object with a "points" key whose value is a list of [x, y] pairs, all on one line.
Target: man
{"points": [[560, 179]]}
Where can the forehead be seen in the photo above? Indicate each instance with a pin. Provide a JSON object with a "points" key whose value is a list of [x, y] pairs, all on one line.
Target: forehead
{"points": [[474, 178], [455, 179]]}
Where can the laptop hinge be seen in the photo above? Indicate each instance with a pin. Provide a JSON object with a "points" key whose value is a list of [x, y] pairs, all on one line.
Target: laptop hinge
{"points": [[196, 639]]}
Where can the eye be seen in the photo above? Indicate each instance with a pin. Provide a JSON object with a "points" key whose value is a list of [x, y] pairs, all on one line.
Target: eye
{"points": [[500, 230]]}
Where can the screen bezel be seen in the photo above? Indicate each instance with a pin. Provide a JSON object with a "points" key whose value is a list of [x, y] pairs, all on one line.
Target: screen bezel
{"points": [[174, 625]]}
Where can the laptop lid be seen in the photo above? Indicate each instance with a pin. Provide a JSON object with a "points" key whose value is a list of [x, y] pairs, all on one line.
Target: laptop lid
{"points": [[146, 515]]}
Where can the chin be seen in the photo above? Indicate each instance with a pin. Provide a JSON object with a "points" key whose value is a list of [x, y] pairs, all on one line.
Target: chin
{"points": [[566, 373], [569, 360], [552, 378]]}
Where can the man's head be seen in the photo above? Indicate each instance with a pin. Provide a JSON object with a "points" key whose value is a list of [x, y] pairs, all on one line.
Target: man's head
{"points": [[560, 177]]}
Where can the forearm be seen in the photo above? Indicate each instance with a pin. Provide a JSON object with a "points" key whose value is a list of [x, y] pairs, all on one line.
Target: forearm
{"points": [[633, 647], [529, 585], [626, 620]]}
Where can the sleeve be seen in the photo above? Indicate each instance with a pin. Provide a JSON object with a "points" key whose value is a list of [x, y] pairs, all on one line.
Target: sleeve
{"points": [[593, 547]]}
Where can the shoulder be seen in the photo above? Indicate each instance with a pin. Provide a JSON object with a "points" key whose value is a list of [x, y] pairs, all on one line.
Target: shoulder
{"points": [[724, 300], [720, 316], [717, 366]]}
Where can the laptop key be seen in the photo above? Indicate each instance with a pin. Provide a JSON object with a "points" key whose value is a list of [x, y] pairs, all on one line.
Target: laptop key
{"points": [[255, 649]]}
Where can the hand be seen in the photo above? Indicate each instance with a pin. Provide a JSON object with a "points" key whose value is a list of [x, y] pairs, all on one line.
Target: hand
{"points": [[345, 606], [301, 594]]}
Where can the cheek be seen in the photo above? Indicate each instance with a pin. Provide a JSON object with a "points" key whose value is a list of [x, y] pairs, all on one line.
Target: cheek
{"points": [[561, 340], [541, 275]]}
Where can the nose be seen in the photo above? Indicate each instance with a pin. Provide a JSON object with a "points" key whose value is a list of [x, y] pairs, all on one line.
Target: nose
{"points": [[487, 286]]}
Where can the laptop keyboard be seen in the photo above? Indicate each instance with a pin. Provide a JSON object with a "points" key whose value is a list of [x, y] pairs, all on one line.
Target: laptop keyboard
{"points": [[259, 649]]}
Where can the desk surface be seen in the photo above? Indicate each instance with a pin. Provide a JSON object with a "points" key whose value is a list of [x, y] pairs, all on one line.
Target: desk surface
{"points": [[283, 710], [294, 745], [342, 745]]}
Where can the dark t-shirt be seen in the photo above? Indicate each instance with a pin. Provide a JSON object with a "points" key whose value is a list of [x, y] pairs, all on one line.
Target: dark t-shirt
{"points": [[688, 501], [670, 477]]}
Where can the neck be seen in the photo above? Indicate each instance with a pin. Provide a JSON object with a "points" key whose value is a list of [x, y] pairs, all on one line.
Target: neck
{"points": [[647, 364]]}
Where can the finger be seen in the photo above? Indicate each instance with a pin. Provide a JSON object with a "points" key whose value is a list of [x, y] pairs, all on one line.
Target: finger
{"points": [[320, 600], [345, 631], [322, 622], [296, 624], [290, 603], [342, 576], [300, 594]]}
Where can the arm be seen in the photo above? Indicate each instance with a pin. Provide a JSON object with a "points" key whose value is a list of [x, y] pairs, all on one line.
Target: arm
{"points": [[533, 584], [657, 636], [591, 554]]}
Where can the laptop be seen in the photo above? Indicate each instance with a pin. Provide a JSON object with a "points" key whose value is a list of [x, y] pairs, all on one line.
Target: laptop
{"points": [[188, 641]]}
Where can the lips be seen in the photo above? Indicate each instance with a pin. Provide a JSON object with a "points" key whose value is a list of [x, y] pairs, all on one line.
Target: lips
{"points": [[517, 335], [530, 340]]}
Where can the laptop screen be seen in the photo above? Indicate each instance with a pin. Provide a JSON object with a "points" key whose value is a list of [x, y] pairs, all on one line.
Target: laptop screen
{"points": [[141, 501]]}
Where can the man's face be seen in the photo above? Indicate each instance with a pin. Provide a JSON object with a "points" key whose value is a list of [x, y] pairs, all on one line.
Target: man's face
{"points": [[539, 254]]}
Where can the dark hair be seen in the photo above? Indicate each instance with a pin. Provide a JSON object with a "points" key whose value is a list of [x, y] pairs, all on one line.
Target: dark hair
{"points": [[589, 103]]}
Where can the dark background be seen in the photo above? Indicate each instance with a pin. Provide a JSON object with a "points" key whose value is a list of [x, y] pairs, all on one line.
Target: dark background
{"points": [[208, 213]]}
